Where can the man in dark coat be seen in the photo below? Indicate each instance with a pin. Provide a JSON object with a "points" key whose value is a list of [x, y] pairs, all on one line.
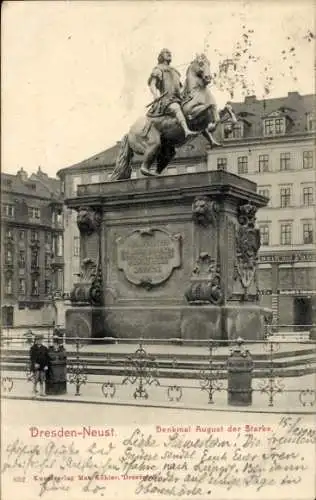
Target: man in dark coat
{"points": [[39, 363]]}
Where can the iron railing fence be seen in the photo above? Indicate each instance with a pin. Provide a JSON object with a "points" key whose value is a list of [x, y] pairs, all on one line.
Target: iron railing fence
{"points": [[174, 370]]}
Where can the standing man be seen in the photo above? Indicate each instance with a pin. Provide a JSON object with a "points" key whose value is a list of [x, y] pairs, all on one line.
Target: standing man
{"points": [[39, 363], [165, 86]]}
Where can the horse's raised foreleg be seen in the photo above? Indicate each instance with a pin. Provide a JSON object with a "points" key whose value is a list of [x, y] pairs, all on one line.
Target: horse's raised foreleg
{"points": [[210, 139]]}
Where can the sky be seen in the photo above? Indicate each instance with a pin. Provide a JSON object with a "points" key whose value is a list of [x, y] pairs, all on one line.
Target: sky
{"points": [[74, 73]]}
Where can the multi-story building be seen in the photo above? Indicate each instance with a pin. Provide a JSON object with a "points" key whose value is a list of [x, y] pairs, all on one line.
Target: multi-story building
{"points": [[31, 249], [273, 145]]}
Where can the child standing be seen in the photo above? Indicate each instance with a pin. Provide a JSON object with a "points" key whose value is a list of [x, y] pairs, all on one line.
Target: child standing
{"points": [[39, 363]]}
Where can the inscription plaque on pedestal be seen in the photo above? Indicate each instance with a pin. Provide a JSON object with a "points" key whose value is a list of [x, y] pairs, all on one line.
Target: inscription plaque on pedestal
{"points": [[148, 256]]}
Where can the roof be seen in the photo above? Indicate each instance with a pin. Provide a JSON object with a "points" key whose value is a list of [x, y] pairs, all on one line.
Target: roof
{"points": [[294, 106], [37, 185]]}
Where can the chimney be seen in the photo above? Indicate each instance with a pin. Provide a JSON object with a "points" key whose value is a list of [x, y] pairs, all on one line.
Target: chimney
{"points": [[22, 174], [40, 173], [294, 95]]}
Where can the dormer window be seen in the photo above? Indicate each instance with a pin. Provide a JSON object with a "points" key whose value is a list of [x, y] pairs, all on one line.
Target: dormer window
{"points": [[233, 131], [277, 122], [238, 130], [274, 126]]}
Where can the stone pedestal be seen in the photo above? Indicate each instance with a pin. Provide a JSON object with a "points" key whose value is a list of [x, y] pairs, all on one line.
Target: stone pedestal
{"points": [[168, 257]]}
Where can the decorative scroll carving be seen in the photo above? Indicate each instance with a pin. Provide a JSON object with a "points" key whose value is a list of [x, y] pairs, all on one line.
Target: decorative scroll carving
{"points": [[148, 256], [205, 286], [89, 288], [247, 245], [88, 220], [204, 211]]}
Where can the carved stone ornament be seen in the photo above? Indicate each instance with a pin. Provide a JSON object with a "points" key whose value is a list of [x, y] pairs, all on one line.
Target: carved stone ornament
{"points": [[89, 288], [204, 211], [88, 220], [247, 245], [148, 256], [205, 286]]}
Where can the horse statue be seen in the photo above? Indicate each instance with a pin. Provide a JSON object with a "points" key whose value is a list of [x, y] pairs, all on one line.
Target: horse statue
{"points": [[155, 137]]}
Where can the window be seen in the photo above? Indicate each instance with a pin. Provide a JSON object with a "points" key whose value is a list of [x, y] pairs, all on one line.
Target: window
{"points": [[8, 285], [268, 127], [308, 233], [22, 286], [9, 234], [59, 245], [8, 210], [286, 233], [57, 217], [285, 197], [34, 259], [308, 196], [310, 121], [242, 164], [60, 280], [76, 246], [95, 178], [34, 213], [264, 192], [21, 235], [34, 236], [285, 161], [48, 287], [222, 163], [48, 237], [47, 261], [264, 234], [75, 183], [274, 126], [308, 159], [7, 313], [8, 256], [238, 131], [34, 286], [263, 163], [279, 126], [22, 258]]}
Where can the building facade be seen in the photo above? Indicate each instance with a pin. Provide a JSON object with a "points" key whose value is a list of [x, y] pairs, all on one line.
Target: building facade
{"points": [[272, 145], [31, 250]]}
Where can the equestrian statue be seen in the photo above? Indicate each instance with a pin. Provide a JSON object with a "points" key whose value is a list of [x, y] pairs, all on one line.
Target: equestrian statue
{"points": [[176, 115]]}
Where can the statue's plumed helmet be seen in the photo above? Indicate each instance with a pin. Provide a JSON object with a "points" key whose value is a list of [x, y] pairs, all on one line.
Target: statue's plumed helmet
{"points": [[161, 55]]}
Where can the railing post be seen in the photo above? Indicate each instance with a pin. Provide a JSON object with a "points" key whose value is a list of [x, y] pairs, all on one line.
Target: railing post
{"points": [[239, 376]]}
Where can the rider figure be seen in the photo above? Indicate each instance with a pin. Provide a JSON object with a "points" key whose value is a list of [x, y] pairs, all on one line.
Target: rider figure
{"points": [[165, 86]]}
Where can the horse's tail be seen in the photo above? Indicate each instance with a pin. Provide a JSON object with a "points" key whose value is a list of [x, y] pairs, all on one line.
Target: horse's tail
{"points": [[123, 169]]}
